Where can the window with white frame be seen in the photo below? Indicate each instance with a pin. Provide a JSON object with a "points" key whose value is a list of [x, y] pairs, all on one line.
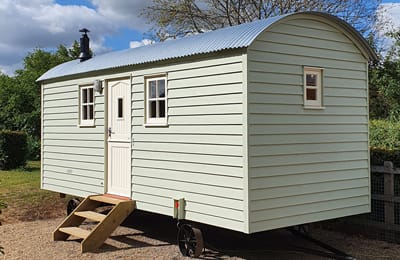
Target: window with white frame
{"points": [[156, 101], [312, 87], [86, 105]]}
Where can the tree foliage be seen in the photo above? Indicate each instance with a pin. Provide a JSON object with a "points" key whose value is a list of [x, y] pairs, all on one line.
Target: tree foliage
{"points": [[384, 78], [177, 18], [20, 95]]}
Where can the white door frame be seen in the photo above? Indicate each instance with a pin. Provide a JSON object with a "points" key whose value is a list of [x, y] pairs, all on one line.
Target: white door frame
{"points": [[121, 143]]}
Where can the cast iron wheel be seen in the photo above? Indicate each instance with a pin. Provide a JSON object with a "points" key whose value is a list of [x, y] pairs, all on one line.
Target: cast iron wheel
{"points": [[72, 204], [190, 241], [303, 229]]}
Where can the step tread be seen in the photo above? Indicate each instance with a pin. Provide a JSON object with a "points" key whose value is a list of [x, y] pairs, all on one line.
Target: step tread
{"points": [[91, 215], [106, 199], [76, 231]]}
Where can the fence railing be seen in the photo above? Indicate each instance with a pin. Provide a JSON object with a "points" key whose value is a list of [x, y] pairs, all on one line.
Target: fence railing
{"points": [[384, 220], [386, 201]]}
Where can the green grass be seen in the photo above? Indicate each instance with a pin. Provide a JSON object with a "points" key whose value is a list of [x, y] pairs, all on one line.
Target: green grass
{"points": [[23, 183], [21, 197]]}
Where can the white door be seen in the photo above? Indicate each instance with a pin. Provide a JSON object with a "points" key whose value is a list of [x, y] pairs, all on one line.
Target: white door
{"points": [[119, 137]]}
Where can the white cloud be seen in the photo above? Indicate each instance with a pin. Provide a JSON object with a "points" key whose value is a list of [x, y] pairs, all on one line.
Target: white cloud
{"points": [[126, 12], [135, 44], [389, 16], [388, 21], [29, 24]]}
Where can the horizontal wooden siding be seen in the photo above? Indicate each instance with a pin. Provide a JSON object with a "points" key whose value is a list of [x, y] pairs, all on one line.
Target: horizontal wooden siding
{"points": [[306, 165], [199, 155], [73, 156]]}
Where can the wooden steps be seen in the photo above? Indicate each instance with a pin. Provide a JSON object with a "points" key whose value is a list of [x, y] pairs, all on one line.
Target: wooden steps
{"points": [[106, 224], [106, 199], [91, 215], [76, 232]]}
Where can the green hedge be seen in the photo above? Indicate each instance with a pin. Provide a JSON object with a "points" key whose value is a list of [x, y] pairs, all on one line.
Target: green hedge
{"points": [[384, 138], [13, 149], [384, 134]]}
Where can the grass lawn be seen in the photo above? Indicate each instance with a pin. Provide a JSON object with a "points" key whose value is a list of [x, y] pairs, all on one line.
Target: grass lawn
{"points": [[21, 198]]}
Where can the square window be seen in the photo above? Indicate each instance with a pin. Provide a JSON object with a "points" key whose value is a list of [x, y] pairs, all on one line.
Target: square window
{"points": [[86, 106], [313, 88], [156, 101]]}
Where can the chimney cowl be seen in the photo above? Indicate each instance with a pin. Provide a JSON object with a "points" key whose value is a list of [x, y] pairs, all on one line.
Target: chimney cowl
{"points": [[84, 45]]}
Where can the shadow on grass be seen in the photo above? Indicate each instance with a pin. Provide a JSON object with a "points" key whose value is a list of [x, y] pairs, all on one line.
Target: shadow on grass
{"points": [[31, 166]]}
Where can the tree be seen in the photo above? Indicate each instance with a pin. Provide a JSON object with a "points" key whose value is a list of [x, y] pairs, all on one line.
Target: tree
{"points": [[75, 50], [177, 18], [20, 95], [384, 78]]}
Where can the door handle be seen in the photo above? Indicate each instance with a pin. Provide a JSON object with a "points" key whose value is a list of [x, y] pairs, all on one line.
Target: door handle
{"points": [[109, 132]]}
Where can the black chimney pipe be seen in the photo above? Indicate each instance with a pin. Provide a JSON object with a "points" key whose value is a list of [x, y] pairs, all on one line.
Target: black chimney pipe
{"points": [[85, 52]]}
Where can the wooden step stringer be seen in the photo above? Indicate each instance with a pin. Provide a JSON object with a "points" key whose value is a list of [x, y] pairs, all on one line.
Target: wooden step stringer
{"points": [[93, 239]]}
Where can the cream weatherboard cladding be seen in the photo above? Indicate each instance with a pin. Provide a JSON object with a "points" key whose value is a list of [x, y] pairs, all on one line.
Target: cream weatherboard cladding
{"points": [[199, 155], [73, 155], [238, 144], [306, 165]]}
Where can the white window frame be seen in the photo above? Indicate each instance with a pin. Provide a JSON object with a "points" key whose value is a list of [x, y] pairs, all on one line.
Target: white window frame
{"points": [[156, 121], [313, 104], [85, 122]]}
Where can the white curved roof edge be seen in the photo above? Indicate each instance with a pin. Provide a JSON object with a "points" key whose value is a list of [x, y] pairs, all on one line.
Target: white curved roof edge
{"points": [[234, 37]]}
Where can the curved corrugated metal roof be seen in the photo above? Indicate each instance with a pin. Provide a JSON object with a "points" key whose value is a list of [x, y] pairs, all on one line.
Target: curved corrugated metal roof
{"points": [[233, 37]]}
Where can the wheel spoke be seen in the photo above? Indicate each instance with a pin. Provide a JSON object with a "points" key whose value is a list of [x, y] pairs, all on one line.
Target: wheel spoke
{"points": [[190, 241], [185, 251], [187, 233]]}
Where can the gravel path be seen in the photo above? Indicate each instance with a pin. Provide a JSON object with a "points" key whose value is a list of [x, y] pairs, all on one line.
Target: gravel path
{"points": [[153, 237], [32, 240]]}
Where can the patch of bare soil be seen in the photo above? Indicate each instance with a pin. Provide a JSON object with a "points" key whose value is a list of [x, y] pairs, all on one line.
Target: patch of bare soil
{"points": [[33, 240], [151, 236], [48, 208]]}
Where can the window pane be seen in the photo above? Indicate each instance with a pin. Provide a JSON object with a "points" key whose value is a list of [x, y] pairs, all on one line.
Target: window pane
{"points": [[153, 109], [161, 107], [161, 88], [311, 80], [91, 95], [152, 89], [84, 112], [91, 112], [84, 96], [120, 108], [311, 94]]}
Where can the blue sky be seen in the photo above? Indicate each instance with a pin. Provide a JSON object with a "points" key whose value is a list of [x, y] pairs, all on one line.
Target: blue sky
{"points": [[113, 25], [117, 41], [122, 38], [30, 24]]}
